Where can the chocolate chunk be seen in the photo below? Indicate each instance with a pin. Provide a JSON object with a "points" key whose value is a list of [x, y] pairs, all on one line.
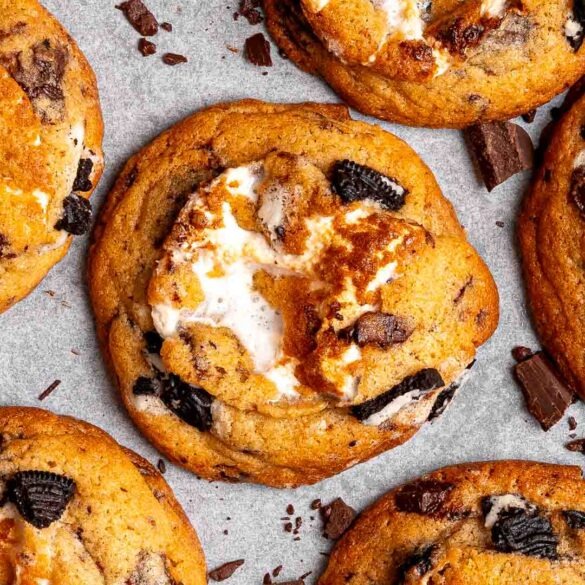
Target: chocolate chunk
{"points": [[146, 47], [547, 397], [501, 149], [417, 565], [174, 59], [572, 422], [147, 387], [82, 182], [577, 446], [161, 466], [529, 117], [167, 26], [576, 35], [442, 402], [577, 190], [40, 496], [189, 403], [459, 36], [76, 217], [154, 342], [575, 519], [376, 328], [140, 17], [257, 50], [355, 182], [249, 10], [521, 353], [337, 518], [225, 571], [425, 496], [424, 380]]}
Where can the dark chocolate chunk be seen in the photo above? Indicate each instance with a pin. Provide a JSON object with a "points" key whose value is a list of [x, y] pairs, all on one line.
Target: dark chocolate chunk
{"points": [[577, 190], [547, 396], [166, 26], [577, 446], [424, 380], [376, 328], [82, 182], [442, 402], [355, 182], [249, 10], [459, 36], [140, 17], [418, 564], [425, 496], [575, 519], [575, 36], [146, 47], [154, 342], [225, 571], [40, 496], [161, 466], [189, 403], [76, 218], [174, 59], [257, 50], [529, 117], [501, 149], [521, 353], [147, 387], [337, 518]]}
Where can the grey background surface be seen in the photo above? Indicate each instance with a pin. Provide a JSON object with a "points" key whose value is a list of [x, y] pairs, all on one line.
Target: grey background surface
{"points": [[140, 98]]}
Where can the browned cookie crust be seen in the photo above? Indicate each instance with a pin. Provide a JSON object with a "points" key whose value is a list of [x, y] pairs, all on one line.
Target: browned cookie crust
{"points": [[364, 305], [78, 508], [498, 523], [50, 145], [465, 62], [551, 231]]}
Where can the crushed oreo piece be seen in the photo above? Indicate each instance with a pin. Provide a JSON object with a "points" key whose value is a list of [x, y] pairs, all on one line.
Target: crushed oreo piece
{"points": [[174, 59], [140, 17], [575, 519], [355, 182], [225, 571], [40, 496], [577, 446], [577, 190], [84, 169], [424, 380], [501, 149], [575, 26], [443, 401], [145, 386], [337, 518], [425, 496], [257, 50], [377, 328], [249, 10], [76, 218], [146, 47], [547, 396], [154, 342], [418, 564], [190, 403]]}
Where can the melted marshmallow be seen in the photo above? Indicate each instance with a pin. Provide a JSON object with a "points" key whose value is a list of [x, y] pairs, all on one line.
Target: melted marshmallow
{"points": [[404, 18], [493, 8]]}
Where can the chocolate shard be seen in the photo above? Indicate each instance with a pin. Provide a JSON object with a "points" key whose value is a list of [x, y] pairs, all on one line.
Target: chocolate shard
{"points": [[249, 10], [226, 570], [376, 328], [189, 403], [418, 564], [40, 496], [425, 496], [575, 519], [173, 59], [547, 396], [443, 401], [84, 169], [140, 17], [501, 149], [424, 380], [257, 50], [577, 446], [577, 190], [76, 217], [337, 518], [146, 47]]}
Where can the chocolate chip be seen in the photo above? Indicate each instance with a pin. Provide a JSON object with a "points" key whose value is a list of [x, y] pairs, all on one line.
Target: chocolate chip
{"points": [[521, 353], [154, 342], [529, 117], [190, 403], [76, 217], [577, 446], [355, 182], [140, 17], [576, 39], [418, 564], [337, 518], [575, 519], [425, 496], [40, 496], [442, 402], [249, 10], [257, 50], [577, 190], [146, 47], [147, 387], [84, 169], [547, 397], [424, 380], [225, 571], [501, 149], [174, 59], [167, 26], [376, 328]]}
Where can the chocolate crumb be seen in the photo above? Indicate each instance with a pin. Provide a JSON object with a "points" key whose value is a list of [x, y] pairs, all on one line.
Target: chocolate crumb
{"points": [[337, 518], [140, 17], [258, 50], [267, 579], [167, 26], [276, 572], [290, 509], [162, 466], [577, 446], [500, 224], [316, 504], [146, 47], [174, 59], [572, 423], [225, 571], [46, 393], [528, 117], [288, 527], [522, 353], [249, 10]]}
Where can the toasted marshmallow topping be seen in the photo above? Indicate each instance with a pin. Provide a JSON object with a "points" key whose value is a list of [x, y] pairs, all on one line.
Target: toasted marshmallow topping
{"points": [[493, 8], [404, 18]]}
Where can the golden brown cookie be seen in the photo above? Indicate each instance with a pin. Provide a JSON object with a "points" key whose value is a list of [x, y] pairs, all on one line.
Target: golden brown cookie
{"points": [[439, 63], [78, 508], [497, 523], [50, 145], [283, 292], [551, 231]]}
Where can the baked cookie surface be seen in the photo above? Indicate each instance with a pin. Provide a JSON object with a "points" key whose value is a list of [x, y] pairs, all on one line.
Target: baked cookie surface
{"points": [[497, 523], [283, 292], [50, 145], [551, 231], [440, 63], [78, 508]]}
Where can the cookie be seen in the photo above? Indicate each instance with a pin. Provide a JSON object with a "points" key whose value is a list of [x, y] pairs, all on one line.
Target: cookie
{"points": [[50, 145], [78, 508], [551, 231], [441, 63], [497, 523], [283, 292]]}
